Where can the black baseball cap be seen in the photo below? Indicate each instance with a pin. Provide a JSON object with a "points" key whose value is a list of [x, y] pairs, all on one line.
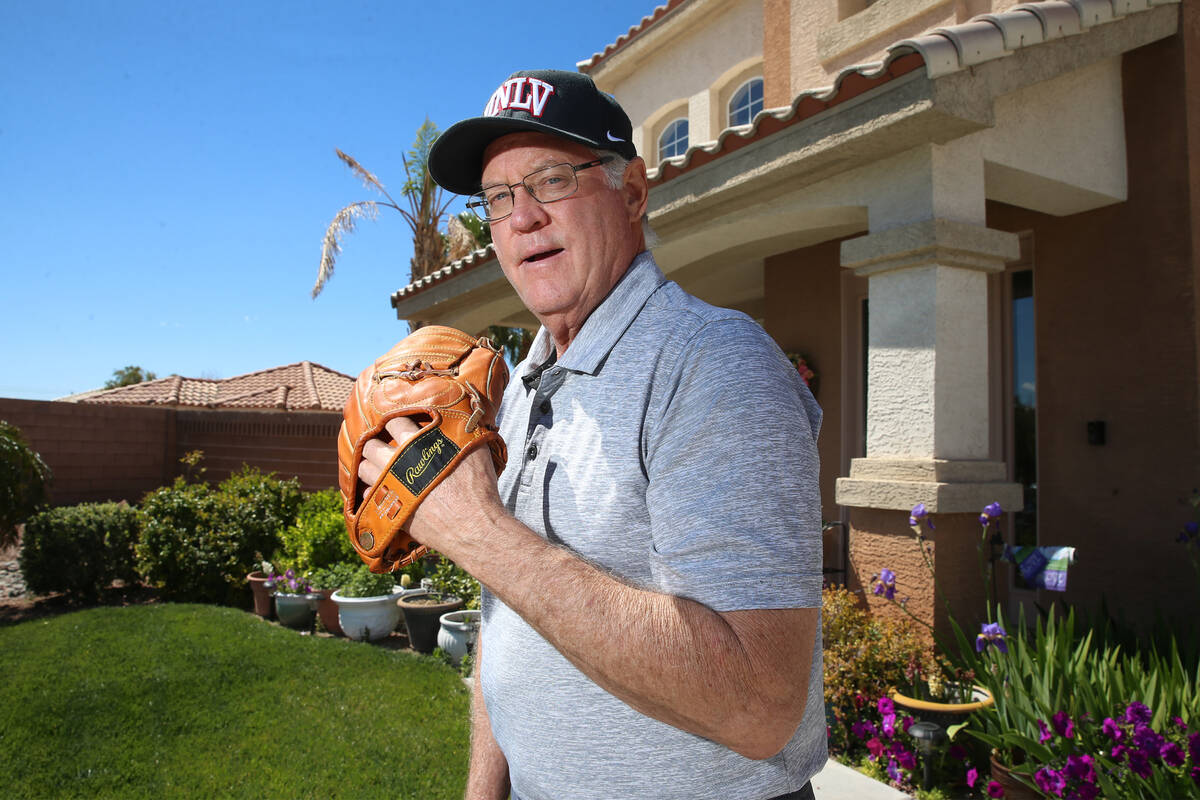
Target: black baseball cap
{"points": [[556, 102]]}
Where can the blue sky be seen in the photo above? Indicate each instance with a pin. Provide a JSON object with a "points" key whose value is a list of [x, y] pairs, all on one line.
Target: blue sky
{"points": [[167, 171]]}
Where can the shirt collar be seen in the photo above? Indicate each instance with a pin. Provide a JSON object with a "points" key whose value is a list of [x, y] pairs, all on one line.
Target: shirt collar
{"points": [[605, 325]]}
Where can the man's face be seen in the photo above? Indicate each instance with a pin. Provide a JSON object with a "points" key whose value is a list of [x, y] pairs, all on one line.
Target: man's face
{"points": [[562, 257]]}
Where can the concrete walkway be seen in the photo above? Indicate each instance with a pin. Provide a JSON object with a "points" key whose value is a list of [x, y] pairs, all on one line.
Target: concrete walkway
{"points": [[839, 782]]}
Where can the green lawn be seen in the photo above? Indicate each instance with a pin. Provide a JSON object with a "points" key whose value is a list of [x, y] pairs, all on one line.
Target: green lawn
{"points": [[190, 701]]}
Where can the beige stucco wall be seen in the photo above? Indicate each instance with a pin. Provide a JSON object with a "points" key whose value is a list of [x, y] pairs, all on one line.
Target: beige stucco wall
{"points": [[681, 63]]}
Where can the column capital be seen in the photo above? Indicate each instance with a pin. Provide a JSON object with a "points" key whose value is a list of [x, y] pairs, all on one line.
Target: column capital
{"points": [[938, 242], [948, 486]]}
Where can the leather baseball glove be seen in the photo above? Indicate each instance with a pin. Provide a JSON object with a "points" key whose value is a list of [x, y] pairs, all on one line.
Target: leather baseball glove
{"points": [[451, 385]]}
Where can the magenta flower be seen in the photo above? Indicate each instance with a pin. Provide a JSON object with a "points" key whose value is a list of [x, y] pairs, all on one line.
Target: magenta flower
{"points": [[892, 772], [1111, 729], [1063, 725], [886, 706], [888, 725], [1118, 752], [1050, 781], [1081, 768], [991, 633], [994, 789], [1087, 791], [972, 776], [1044, 734], [875, 747], [1194, 746]]}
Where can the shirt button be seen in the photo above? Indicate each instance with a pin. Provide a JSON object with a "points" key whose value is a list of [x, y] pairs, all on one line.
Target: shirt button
{"points": [[545, 407], [531, 453]]}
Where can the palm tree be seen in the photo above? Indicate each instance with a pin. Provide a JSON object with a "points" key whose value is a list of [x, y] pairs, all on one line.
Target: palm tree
{"points": [[426, 207]]}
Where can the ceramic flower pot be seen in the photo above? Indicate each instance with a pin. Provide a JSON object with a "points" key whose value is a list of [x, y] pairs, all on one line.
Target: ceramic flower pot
{"points": [[368, 618], [944, 714], [422, 617], [1013, 788], [327, 611], [262, 595], [296, 610], [458, 632]]}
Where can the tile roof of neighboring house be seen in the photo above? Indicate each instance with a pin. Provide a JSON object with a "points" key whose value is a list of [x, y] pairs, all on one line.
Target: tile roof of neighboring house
{"points": [[296, 387], [941, 51], [655, 16]]}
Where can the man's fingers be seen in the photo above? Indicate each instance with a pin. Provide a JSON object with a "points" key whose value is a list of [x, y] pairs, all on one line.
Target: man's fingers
{"points": [[377, 453], [402, 429]]}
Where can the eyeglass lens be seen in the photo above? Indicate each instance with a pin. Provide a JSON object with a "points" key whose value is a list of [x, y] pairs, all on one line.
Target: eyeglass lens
{"points": [[546, 185]]}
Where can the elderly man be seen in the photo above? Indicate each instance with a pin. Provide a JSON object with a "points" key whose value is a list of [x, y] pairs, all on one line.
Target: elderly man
{"points": [[651, 554]]}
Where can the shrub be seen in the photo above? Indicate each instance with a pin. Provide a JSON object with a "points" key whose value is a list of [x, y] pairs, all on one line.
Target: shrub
{"points": [[865, 658], [364, 583], [199, 544], [80, 550], [318, 538], [451, 580], [334, 576], [24, 481]]}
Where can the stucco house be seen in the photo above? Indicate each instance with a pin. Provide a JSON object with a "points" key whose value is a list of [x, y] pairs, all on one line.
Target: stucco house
{"points": [[979, 222]]}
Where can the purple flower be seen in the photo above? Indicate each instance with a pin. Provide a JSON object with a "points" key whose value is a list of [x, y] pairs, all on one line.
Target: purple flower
{"points": [[994, 789], [1172, 754], [957, 752], [1148, 740], [1050, 781], [888, 725], [906, 724], [990, 512], [874, 747], [885, 584], [1139, 763], [290, 574], [972, 776], [1087, 791], [1063, 725], [1044, 732], [293, 584], [863, 729], [1195, 773], [1118, 752], [907, 759], [1194, 746], [1112, 729], [991, 633], [886, 706], [1137, 712], [1191, 527], [918, 513], [1081, 768], [892, 772]]}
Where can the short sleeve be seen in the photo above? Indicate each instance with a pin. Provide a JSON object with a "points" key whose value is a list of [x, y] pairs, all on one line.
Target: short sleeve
{"points": [[731, 458]]}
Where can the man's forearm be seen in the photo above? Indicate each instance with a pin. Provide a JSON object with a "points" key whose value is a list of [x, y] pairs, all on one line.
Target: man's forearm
{"points": [[488, 775], [738, 678]]}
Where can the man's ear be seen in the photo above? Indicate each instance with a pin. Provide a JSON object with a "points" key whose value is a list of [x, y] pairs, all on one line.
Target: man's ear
{"points": [[636, 189]]}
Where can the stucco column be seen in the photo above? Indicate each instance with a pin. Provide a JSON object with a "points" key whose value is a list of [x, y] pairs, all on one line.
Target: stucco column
{"points": [[927, 370]]}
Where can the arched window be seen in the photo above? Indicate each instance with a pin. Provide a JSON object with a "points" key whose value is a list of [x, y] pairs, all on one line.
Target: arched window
{"points": [[674, 139], [746, 102]]}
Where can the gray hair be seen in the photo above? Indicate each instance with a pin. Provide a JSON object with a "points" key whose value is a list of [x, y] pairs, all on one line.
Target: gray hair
{"points": [[614, 175]]}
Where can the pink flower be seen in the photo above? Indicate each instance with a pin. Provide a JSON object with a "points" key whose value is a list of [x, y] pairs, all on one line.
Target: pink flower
{"points": [[994, 789], [1063, 725], [972, 776]]}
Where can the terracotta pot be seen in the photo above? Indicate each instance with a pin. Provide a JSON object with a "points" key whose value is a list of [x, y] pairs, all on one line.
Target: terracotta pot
{"points": [[944, 714], [1013, 788], [327, 610], [422, 617], [262, 595]]}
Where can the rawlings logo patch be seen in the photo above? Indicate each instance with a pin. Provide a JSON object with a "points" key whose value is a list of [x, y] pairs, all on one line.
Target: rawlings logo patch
{"points": [[423, 460]]}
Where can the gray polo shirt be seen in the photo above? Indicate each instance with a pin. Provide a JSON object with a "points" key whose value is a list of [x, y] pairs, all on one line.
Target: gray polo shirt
{"points": [[673, 445]]}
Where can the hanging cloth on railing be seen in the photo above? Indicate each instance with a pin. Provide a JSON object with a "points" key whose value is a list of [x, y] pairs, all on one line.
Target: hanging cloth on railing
{"points": [[1042, 567]]}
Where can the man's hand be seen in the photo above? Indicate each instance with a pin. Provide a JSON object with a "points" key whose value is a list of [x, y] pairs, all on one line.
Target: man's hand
{"points": [[451, 510]]}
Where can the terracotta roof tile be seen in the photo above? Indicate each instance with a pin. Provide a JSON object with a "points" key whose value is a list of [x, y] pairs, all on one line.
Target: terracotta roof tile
{"points": [[295, 387]]}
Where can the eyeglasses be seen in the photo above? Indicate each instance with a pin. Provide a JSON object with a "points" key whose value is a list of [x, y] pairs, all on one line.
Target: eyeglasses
{"points": [[545, 185]]}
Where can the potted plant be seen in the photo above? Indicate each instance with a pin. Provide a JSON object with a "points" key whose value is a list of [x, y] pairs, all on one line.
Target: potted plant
{"points": [[458, 632], [450, 587], [263, 606], [366, 606], [325, 582], [295, 600]]}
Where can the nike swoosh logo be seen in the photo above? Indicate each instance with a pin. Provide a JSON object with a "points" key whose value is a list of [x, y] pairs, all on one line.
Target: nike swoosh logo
{"points": [[612, 138]]}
